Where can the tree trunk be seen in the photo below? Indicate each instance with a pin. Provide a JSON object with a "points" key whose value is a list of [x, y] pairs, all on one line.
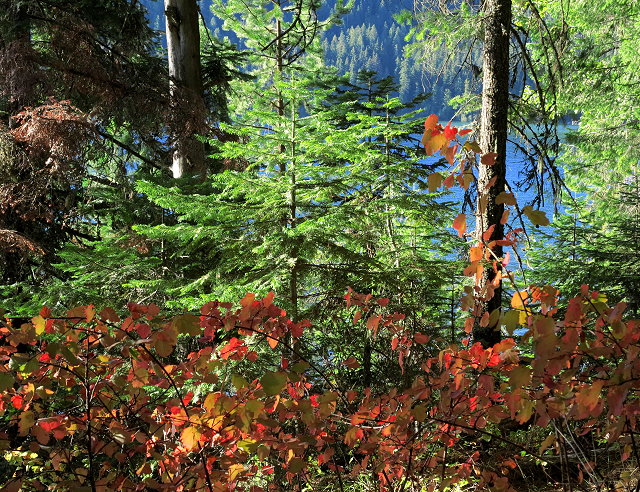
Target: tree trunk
{"points": [[187, 105], [15, 43], [493, 138]]}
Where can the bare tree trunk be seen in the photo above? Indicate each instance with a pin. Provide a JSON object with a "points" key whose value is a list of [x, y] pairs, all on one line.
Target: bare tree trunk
{"points": [[187, 105], [493, 138]]}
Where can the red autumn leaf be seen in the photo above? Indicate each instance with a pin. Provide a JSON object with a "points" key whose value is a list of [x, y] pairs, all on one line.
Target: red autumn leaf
{"points": [[49, 425], [394, 343], [247, 300], [448, 181], [420, 338], [297, 329], [351, 363], [16, 401], [373, 322], [450, 153], [465, 132], [268, 299], [505, 217], [468, 325], [40, 434], [90, 312], [144, 330], [450, 132], [506, 259], [486, 235]]}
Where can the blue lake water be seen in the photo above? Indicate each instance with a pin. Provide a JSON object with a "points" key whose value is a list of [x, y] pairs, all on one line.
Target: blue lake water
{"points": [[518, 165]]}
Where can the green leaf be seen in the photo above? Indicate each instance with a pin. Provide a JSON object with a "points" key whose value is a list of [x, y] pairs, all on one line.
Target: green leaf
{"points": [[519, 377], [511, 319], [6, 381], [420, 413], [273, 382], [53, 348], [187, 324], [295, 465], [537, 217], [300, 367], [69, 356], [248, 445], [434, 181], [239, 382]]}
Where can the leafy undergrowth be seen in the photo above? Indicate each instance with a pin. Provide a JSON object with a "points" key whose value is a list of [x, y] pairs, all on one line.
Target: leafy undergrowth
{"points": [[100, 401]]}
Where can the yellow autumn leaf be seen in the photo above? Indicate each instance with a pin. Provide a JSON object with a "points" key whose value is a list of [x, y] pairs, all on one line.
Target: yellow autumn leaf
{"points": [[189, 437], [235, 470], [435, 143], [39, 324], [537, 217]]}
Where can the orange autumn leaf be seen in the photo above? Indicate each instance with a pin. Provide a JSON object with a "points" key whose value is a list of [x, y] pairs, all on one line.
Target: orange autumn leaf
{"points": [[189, 437], [431, 122], [460, 224], [489, 159], [590, 394]]}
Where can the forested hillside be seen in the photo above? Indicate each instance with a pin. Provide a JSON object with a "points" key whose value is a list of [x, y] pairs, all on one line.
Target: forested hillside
{"points": [[370, 38], [256, 249]]}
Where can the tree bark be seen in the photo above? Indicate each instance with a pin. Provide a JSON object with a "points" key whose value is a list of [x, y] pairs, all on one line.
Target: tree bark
{"points": [[493, 138], [186, 92], [16, 44]]}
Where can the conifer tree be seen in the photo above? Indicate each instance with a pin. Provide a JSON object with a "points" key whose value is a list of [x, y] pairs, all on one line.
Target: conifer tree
{"points": [[100, 56], [324, 191], [106, 62]]}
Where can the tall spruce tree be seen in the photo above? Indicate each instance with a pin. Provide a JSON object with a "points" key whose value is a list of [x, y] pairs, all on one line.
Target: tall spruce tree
{"points": [[324, 191], [82, 248], [187, 111]]}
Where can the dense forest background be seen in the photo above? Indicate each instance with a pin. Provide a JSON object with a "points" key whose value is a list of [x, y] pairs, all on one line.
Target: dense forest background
{"points": [[369, 37]]}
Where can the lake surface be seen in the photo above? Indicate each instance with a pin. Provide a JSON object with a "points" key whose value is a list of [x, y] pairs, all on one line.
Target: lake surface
{"points": [[517, 166]]}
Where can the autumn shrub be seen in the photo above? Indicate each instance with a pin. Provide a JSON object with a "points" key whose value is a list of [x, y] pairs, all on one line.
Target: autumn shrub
{"points": [[95, 400]]}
